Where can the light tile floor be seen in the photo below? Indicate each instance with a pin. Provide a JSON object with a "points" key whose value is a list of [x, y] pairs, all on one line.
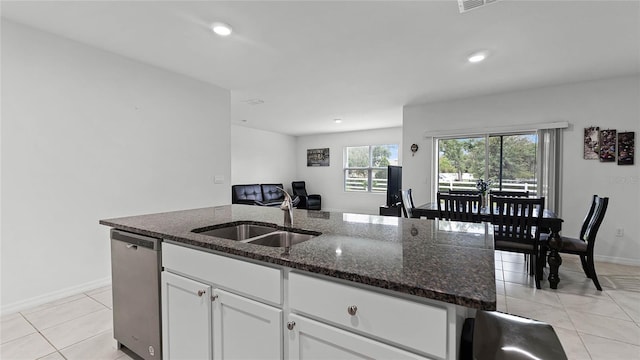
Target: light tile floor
{"points": [[590, 324], [77, 327]]}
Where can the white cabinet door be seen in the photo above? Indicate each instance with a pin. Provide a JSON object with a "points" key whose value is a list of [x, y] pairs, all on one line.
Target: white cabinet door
{"points": [[186, 318], [245, 329], [309, 339]]}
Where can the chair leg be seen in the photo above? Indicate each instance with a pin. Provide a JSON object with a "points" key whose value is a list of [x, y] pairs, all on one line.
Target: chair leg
{"points": [[537, 275], [585, 266], [540, 263], [532, 264], [543, 256], [592, 271]]}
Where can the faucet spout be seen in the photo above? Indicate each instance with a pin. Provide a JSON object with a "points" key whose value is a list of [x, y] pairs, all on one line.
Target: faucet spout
{"points": [[287, 207]]}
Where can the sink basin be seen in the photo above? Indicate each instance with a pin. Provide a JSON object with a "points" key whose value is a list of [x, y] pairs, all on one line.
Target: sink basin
{"points": [[279, 239], [237, 232], [264, 234]]}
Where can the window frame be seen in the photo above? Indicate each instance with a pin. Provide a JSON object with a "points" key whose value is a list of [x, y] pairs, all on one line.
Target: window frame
{"points": [[369, 169], [485, 136]]}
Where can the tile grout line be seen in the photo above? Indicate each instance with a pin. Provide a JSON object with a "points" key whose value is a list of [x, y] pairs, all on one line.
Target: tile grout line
{"points": [[623, 310], [39, 331], [584, 345], [71, 319], [603, 337], [42, 335], [563, 308], [89, 338], [580, 333]]}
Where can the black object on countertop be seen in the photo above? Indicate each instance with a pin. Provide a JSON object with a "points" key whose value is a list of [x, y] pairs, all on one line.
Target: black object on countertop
{"points": [[500, 336]]}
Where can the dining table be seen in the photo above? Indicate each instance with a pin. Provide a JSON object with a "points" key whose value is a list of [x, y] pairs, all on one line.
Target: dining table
{"points": [[550, 223]]}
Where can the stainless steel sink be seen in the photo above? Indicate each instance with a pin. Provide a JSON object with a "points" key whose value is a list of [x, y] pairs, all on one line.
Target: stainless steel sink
{"points": [[238, 232], [258, 234], [281, 239]]}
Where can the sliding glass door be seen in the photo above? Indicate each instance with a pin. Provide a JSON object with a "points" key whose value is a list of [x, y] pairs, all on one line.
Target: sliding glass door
{"points": [[461, 162], [507, 160]]}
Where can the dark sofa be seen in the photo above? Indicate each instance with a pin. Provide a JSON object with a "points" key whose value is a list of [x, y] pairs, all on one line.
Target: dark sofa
{"points": [[257, 194]]}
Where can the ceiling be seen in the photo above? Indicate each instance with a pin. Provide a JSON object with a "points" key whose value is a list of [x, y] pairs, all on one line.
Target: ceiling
{"points": [[311, 62]]}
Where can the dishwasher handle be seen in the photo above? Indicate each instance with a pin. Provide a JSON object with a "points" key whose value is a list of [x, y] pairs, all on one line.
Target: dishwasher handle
{"points": [[134, 240]]}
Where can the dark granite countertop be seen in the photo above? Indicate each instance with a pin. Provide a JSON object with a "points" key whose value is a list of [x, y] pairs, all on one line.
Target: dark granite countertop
{"points": [[441, 260]]}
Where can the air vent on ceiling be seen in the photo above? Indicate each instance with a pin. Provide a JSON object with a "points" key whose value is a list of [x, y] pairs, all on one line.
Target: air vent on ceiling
{"points": [[466, 5], [253, 101]]}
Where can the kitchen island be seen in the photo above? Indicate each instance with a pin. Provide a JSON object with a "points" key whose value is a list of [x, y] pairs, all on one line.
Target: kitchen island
{"points": [[432, 274]]}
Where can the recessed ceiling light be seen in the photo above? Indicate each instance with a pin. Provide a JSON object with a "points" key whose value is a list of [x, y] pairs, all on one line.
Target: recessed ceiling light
{"points": [[337, 121], [477, 57], [221, 29]]}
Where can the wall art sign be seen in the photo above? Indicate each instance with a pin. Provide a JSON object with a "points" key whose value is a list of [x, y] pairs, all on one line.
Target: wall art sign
{"points": [[608, 145], [626, 148], [318, 157], [591, 143]]}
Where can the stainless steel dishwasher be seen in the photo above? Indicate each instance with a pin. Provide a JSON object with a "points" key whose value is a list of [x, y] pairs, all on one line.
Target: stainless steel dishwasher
{"points": [[135, 276]]}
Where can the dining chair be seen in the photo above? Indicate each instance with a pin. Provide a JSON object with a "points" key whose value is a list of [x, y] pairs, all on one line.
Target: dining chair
{"points": [[459, 207], [516, 228], [584, 244], [524, 194], [407, 203], [464, 192], [510, 193]]}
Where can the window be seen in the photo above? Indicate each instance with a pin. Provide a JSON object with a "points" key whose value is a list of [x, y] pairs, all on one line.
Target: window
{"points": [[365, 167], [508, 160]]}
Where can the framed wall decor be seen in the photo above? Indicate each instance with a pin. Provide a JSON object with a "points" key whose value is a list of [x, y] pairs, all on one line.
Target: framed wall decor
{"points": [[608, 145], [318, 157], [591, 143], [626, 148]]}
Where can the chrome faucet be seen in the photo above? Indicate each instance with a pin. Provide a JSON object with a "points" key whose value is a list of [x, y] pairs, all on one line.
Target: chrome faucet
{"points": [[287, 204]]}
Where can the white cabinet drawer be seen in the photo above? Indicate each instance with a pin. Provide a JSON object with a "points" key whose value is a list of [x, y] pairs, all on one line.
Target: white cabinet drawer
{"points": [[414, 325], [243, 277], [308, 339]]}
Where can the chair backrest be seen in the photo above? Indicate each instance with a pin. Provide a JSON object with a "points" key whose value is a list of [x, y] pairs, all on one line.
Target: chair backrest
{"points": [[510, 193], [407, 203], [593, 220], [459, 207], [464, 192], [517, 219], [299, 188]]}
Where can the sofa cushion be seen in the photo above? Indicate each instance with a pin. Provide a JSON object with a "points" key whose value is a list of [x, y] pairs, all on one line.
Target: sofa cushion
{"points": [[271, 194], [246, 194]]}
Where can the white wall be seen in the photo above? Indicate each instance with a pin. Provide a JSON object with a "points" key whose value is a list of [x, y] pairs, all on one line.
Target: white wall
{"points": [[88, 135], [611, 103], [262, 157], [329, 181]]}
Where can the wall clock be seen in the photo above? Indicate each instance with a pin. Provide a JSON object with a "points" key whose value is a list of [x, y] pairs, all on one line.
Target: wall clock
{"points": [[414, 148]]}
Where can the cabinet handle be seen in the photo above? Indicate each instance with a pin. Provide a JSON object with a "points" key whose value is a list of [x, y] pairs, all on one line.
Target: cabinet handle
{"points": [[214, 297], [291, 324], [352, 310], [201, 292]]}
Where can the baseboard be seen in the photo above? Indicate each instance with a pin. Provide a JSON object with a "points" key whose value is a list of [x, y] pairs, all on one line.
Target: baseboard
{"points": [[52, 296], [616, 260]]}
